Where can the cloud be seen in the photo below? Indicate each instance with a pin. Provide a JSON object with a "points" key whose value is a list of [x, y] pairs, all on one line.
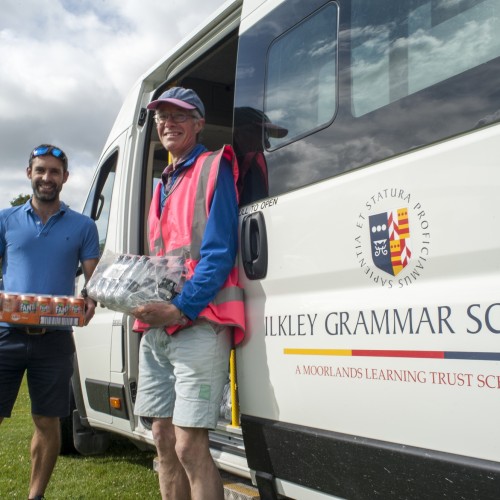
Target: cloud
{"points": [[65, 68]]}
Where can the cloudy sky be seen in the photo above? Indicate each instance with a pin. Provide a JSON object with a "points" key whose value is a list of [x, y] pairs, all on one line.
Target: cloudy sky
{"points": [[65, 68]]}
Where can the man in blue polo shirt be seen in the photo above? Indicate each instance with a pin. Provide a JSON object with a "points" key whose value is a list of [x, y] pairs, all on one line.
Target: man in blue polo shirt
{"points": [[42, 244]]}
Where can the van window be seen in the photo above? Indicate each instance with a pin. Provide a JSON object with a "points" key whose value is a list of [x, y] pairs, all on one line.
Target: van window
{"points": [[395, 76], [99, 201], [300, 93], [408, 46]]}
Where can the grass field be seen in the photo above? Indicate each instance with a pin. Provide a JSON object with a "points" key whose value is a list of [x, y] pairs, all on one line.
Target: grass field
{"points": [[123, 472]]}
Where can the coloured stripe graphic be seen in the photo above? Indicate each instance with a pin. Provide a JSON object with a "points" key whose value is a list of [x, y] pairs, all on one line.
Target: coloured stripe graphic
{"points": [[478, 356]]}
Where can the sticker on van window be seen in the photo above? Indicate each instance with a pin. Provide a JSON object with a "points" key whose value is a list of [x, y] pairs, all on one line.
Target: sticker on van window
{"points": [[393, 238]]}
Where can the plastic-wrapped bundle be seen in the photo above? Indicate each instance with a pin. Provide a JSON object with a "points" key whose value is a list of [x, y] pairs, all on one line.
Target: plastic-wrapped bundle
{"points": [[225, 405], [131, 282], [122, 282], [123, 270], [108, 281]]}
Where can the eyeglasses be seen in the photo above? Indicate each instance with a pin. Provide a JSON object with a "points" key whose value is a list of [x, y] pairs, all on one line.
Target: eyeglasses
{"points": [[46, 150], [161, 118]]}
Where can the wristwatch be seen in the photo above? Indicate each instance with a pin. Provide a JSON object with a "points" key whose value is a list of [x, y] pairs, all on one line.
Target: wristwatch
{"points": [[183, 319], [85, 295]]}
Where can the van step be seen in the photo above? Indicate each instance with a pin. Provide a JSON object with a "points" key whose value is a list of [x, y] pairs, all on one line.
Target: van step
{"points": [[239, 491]]}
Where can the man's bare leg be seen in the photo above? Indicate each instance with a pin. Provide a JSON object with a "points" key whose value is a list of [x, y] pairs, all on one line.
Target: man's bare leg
{"points": [[45, 447], [174, 483], [192, 447]]}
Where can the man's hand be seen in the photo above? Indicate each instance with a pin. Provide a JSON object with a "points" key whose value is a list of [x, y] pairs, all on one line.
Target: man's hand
{"points": [[89, 309], [159, 314]]}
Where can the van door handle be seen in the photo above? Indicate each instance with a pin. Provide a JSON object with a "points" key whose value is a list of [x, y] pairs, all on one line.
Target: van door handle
{"points": [[254, 246]]}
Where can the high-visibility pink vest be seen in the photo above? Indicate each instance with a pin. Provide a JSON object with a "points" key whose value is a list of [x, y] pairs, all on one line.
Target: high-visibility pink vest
{"points": [[179, 230]]}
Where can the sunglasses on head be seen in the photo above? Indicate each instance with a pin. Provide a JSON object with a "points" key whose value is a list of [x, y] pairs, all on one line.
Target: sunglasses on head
{"points": [[46, 150]]}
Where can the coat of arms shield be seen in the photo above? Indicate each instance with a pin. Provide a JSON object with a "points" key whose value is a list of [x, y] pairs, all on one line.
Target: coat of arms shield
{"points": [[390, 240]]}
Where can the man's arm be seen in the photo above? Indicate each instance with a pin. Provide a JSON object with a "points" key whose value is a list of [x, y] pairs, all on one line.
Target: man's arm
{"points": [[88, 267], [218, 248]]}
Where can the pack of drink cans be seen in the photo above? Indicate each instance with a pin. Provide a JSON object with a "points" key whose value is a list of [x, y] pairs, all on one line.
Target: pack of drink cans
{"points": [[122, 282], [43, 310]]}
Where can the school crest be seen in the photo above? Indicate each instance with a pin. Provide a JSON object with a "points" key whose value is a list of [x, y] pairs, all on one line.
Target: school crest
{"points": [[390, 240]]}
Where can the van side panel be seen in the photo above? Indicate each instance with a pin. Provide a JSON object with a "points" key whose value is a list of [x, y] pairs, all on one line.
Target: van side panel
{"points": [[371, 363]]}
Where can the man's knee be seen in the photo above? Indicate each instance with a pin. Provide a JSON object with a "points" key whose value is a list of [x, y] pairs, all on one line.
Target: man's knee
{"points": [[192, 445], [47, 425], [163, 435]]}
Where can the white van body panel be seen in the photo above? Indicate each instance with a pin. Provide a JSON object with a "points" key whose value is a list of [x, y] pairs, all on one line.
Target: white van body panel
{"points": [[308, 286], [255, 10]]}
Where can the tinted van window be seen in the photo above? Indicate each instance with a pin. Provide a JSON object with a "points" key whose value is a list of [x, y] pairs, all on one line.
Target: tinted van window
{"points": [[395, 76], [301, 72], [409, 46]]}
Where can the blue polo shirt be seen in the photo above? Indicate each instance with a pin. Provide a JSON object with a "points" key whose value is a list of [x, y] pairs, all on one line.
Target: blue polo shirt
{"points": [[43, 259]]}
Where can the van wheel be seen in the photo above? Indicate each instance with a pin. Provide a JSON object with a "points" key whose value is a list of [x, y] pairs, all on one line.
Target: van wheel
{"points": [[89, 441]]}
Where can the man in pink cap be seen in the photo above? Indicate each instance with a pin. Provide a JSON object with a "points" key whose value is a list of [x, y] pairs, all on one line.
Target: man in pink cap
{"points": [[184, 355]]}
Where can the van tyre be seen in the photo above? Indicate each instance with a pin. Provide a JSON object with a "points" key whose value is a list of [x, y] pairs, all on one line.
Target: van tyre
{"points": [[89, 441], [77, 438]]}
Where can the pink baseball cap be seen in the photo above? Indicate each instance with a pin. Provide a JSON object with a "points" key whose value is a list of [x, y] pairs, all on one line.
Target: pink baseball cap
{"points": [[179, 96]]}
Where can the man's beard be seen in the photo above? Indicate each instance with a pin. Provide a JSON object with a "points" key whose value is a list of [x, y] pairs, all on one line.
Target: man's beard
{"points": [[46, 196]]}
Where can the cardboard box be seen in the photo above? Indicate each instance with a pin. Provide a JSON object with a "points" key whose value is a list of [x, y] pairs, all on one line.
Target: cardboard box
{"points": [[43, 310]]}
